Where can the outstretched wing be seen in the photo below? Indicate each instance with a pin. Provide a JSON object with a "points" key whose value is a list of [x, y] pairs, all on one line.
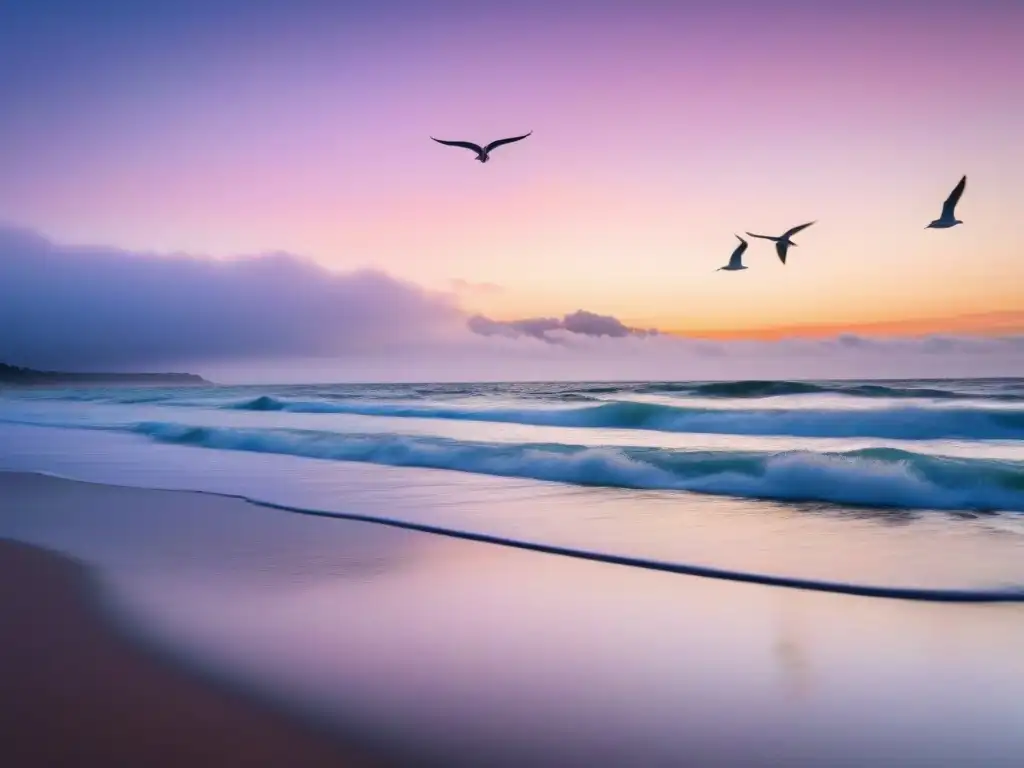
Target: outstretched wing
{"points": [[500, 142], [782, 248], [794, 230], [763, 237], [953, 199], [736, 260], [467, 144]]}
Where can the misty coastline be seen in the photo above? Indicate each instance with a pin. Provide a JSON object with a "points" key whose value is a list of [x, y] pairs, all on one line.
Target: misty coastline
{"points": [[13, 375]]}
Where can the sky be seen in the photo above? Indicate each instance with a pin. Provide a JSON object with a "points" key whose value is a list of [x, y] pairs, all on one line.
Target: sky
{"points": [[208, 130]]}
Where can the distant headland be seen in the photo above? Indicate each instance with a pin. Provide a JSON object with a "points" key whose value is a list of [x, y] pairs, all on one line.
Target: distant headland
{"points": [[12, 374]]}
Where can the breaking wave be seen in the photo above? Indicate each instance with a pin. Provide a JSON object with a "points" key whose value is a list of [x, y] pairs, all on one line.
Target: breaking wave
{"points": [[899, 423], [877, 477], [756, 389]]}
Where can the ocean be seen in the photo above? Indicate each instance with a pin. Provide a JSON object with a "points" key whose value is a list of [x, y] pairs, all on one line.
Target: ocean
{"points": [[527, 460], [475, 652]]}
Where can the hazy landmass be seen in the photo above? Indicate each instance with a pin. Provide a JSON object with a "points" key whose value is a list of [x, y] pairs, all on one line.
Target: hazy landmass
{"points": [[12, 374]]}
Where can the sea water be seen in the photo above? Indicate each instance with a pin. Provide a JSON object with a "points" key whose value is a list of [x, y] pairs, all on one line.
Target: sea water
{"points": [[479, 654], [636, 469]]}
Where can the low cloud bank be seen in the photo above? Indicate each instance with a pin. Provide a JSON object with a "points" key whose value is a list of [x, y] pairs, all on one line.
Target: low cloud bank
{"points": [[279, 317], [98, 307]]}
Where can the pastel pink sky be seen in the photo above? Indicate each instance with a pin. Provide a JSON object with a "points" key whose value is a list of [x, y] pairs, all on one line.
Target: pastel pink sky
{"points": [[660, 129]]}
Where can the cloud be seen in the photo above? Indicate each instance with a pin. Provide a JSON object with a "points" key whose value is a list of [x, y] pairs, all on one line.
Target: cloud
{"points": [[669, 357], [281, 318], [579, 322], [590, 324], [96, 307], [535, 327]]}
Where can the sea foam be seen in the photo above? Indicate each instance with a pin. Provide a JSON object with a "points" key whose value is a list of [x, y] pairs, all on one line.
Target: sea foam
{"points": [[877, 477], [897, 423]]}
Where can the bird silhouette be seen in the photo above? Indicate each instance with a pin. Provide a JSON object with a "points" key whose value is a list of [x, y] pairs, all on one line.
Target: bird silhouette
{"points": [[483, 154], [736, 260], [783, 242], [948, 219]]}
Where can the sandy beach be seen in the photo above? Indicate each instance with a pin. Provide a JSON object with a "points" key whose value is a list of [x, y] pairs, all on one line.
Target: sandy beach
{"points": [[185, 629], [76, 693]]}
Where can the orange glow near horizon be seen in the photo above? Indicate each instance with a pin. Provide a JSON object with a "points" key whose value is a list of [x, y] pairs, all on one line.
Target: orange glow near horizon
{"points": [[990, 324]]}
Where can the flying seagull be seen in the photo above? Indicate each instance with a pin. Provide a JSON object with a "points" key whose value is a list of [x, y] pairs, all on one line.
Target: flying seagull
{"points": [[736, 260], [948, 219], [483, 154], [783, 243]]}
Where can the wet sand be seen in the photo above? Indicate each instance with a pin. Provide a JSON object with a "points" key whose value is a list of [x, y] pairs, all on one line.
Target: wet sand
{"points": [[77, 693], [428, 650]]}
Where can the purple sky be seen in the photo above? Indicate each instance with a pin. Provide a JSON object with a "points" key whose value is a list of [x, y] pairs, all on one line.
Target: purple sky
{"points": [[227, 127]]}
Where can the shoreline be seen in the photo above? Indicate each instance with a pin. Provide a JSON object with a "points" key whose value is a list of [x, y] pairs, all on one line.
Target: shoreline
{"points": [[77, 691], [1013, 594], [179, 629]]}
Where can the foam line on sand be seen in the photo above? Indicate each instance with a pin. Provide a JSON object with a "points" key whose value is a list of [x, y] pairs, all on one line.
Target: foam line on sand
{"points": [[925, 594]]}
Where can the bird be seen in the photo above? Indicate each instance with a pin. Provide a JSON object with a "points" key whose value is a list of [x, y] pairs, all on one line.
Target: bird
{"points": [[483, 154], [948, 219], [783, 243], [736, 260]]}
